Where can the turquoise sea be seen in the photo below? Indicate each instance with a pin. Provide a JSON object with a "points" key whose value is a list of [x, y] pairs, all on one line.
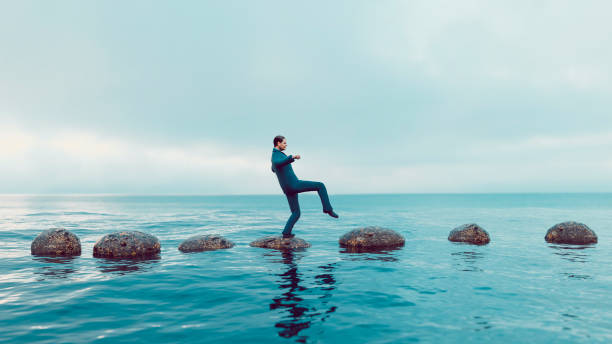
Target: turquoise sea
{"points": [[517, 289]]}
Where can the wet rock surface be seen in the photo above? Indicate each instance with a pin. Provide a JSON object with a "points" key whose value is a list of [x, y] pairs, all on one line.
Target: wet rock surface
{"points": [[56, 242], [571, 232], [371, 238], [199, 243], [470, 233], [127, 244], [280, 243]]}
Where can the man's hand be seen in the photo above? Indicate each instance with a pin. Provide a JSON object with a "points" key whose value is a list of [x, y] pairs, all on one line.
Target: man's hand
{"points": [[296, 157]]}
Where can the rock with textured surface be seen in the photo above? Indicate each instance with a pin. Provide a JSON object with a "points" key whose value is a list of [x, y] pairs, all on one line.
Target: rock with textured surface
{"points": [[280, 243], [128, 244], [56, 242], [470, 233], [571, 233], [372, 237], [199, 243]]}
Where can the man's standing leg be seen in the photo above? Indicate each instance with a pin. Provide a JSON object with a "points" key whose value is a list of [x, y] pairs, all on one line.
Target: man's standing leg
{"points": [[294, 205], [306, 185]]}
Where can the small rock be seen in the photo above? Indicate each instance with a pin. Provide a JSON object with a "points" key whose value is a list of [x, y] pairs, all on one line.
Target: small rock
{"points": [[129, 244], [280, 243], [371, 237], [571, 233], [470, 233], [56, 242], [199, 243]]}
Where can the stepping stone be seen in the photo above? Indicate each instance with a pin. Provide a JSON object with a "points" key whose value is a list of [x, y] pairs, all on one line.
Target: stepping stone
{"points": [[470, 233], [56, 242], [571, 232], [127, 244], [280, 243], [371, 238], [199, 243]]}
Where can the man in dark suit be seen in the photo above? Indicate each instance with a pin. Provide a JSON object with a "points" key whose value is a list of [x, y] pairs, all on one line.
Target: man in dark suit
{"points": [[291, 185]]}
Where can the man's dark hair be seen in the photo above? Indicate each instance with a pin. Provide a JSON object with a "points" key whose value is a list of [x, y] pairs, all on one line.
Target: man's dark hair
{"points": [[278, 138]]}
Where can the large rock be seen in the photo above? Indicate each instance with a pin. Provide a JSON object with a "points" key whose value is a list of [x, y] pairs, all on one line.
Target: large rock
{"points": [[470, 233], [571, 233], [129, 244], [199, 243], [280, 243], [371, 238], [56, 242]]}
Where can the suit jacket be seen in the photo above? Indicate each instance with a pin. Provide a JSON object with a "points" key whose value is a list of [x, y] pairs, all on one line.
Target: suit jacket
{"points": [[281, 165]]}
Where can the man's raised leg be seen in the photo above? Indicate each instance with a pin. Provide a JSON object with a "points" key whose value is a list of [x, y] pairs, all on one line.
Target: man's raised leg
{"points": [[306, 185]]}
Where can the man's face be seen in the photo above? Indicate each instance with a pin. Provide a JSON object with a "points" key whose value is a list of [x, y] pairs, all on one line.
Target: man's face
{"points": [[282, 145]]}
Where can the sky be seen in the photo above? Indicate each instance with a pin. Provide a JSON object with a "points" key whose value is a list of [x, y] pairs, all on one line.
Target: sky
{"points": [[185, 97]]}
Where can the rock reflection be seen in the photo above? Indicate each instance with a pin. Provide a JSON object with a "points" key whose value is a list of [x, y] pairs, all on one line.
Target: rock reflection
{"points": [[467, 260], [124, 266], [58, 267], [359, 254], [573, 254], [301, 312]]}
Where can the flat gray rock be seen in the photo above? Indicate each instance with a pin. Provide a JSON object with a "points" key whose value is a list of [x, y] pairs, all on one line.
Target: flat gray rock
{"points": [[571, 233], [371, 237], [280, 243], [127, 244], [199, 243], [56, 242], [470, 233]]}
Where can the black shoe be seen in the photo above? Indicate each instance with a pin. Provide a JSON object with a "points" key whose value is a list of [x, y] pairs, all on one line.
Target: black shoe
{"points": [[288, 236], [331, 213]]}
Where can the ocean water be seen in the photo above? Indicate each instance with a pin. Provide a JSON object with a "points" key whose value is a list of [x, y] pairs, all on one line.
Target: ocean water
{"points": [[516, 289]]}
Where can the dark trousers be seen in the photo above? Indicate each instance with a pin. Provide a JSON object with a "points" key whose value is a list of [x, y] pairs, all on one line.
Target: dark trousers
{"points": [[294, 204]]}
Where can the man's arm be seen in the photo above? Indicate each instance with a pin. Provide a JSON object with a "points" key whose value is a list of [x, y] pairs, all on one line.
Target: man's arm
{"points": [[279, 160]]}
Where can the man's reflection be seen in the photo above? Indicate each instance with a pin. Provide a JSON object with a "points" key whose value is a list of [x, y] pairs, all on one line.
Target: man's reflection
{"points": [[301, 312]]}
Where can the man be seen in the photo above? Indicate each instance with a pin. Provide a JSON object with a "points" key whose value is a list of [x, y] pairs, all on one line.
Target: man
{"points": [[291, 185]]}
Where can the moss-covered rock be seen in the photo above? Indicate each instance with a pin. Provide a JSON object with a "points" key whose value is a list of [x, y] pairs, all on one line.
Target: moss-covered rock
{"points": [[127, 244], [470, 233], [371, 238], [280, 243], [571, 233], [199, 243], [56, 242]]}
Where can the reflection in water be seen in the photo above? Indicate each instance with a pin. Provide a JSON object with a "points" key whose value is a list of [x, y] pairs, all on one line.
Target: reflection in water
{"points": [[124, 266], [481, 323], [573, 254], [467, 260], [355, 254], [58, 267], [300, 313]]}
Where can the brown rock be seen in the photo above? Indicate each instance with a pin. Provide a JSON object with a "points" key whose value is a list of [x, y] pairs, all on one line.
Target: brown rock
{"points": [[470, 233], [280, 243], [128, 244], [571, 233], [56, 242], [199, 243], [371, 237]]}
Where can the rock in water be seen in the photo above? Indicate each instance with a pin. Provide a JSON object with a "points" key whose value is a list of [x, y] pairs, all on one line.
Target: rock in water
{"points": [[129, 244], [470, 233], [199, 243], [280, 243], [56, 242], [571, 233], [371, 237]]}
